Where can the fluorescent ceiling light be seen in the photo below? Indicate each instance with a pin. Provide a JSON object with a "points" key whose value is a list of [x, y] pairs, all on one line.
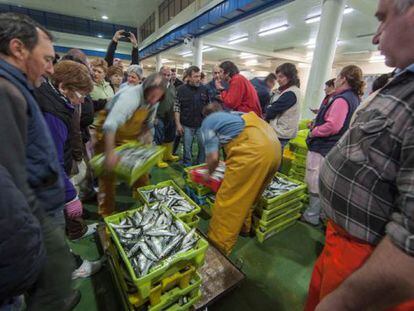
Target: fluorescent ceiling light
{"points": [[208, 49], [313, 19], [244, 55], [348, 10], [100, 35], [238, 40], [270, 31], [187, 55], [356, 52], [317, 17], [185, 65], [165, 60], [104, 17], [251, 62], [377, 59]]}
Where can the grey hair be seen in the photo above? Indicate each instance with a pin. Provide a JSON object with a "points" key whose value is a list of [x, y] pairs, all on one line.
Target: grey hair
{"points": [[135, 69], [154, 81], [403, 5]]}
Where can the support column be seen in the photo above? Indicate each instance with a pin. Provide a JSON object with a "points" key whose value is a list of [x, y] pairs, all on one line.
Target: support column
{"points": [[198, 53], [158, 63], [323, 57]]}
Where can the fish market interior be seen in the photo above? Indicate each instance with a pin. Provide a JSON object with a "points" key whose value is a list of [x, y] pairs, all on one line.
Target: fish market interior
{"points": [[207, 155]]}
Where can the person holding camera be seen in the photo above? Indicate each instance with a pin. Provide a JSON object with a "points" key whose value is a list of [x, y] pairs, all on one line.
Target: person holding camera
{"points": [[110, 53]]}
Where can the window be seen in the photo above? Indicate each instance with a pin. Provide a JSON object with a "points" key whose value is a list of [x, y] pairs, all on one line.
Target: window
{"points": [[168, 9], [148, 27]]}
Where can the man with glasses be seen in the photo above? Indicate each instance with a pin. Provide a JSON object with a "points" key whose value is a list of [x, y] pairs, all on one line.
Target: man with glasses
{"points": [[164, 122]]}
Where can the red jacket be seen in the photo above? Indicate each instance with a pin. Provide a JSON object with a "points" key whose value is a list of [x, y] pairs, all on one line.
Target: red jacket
{"points": [[241, 96]]}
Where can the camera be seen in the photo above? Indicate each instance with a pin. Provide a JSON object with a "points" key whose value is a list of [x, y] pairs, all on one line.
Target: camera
{"points": [[126, 34]]}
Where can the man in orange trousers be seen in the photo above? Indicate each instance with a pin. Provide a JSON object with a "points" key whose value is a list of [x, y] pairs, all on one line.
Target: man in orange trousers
{"points": [[367, 189]]}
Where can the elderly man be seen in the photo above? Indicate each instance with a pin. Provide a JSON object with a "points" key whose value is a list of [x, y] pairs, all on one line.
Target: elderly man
{"points": [[366, 189], [28, 154], [164, 123]]}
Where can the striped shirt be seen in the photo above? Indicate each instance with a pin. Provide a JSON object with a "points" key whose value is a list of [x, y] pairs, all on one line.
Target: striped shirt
{"points": [[367, 180]]}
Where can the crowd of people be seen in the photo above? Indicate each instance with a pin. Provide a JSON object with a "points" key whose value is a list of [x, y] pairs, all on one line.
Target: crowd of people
{"points": [[60, 111]]}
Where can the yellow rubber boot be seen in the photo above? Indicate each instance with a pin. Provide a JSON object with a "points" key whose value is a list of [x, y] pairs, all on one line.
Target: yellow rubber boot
{"points": [[162, 164], [168, 156]]}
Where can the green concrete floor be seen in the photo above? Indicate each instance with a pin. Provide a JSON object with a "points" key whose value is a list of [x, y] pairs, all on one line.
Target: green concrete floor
{"points": [[277, 271]]}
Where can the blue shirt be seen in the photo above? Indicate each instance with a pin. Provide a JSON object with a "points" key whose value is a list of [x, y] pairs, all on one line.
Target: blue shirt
{"points": [[219, 128]]}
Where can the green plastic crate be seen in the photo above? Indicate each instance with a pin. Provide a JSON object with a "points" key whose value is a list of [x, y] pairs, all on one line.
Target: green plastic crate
{"points": [[195, 296], [186, 217], [97, 163], [263, 236], [269, 214], [200, 190], [285, 197], [194, 257], [169, 301], [194, 222], [264, 225]]}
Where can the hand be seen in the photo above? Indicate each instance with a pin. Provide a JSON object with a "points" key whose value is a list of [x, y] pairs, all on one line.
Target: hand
{"points": [[111, 160], [219, 86], [118, 35], [133, 40], [310, 125], [180, 130], [335, 301], [206, 177]]}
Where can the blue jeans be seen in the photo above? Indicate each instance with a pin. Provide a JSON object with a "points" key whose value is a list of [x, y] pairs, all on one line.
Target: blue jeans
{"points": [[164, 131], [189, 135]]}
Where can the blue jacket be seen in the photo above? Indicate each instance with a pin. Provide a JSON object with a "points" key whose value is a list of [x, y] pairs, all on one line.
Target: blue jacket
{"points": [[262, 91], [22, 252], [43, 170], [323, 145]]}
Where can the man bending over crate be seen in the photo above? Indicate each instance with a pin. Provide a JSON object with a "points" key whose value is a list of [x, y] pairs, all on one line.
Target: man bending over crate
{"points": [[253, 157]]}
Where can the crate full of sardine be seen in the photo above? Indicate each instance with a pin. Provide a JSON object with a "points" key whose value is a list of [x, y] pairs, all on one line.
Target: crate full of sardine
{"points": [[169, 194], [200, 175], [135, 159], [154, 244], [281, 190]]}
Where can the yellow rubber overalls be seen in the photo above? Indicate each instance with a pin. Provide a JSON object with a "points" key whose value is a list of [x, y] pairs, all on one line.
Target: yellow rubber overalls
{"points": [[253, 158], [126, 133]]}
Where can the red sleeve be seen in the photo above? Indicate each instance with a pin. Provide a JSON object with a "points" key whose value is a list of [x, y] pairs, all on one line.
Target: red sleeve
{"points": [[232, 98]]}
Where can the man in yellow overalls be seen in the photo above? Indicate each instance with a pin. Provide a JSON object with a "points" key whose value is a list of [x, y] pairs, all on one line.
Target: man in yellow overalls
{"points": [[253, 157], [131, 118]]}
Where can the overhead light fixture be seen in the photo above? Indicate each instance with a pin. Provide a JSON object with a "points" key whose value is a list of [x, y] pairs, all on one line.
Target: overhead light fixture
{"points": [[311, 45], [244, 55], [104, 17], [348, 10], [100, 35], [187, 54], [165, 60], [377, 59], [303, 65], [270, 31], [356, 52], [251, 62], [317, 17], [186, 65], [313, 19], [238, 40], [208, 49]]}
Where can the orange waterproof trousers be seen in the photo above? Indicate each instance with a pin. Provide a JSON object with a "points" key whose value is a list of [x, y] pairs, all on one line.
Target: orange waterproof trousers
{"points": [[341, 256]]}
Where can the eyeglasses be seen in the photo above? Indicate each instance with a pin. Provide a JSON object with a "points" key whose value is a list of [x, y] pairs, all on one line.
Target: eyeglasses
{"points": [[216, 72]]}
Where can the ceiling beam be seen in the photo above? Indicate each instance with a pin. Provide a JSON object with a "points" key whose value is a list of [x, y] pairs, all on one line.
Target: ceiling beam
{"points": [[259, 52]]}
